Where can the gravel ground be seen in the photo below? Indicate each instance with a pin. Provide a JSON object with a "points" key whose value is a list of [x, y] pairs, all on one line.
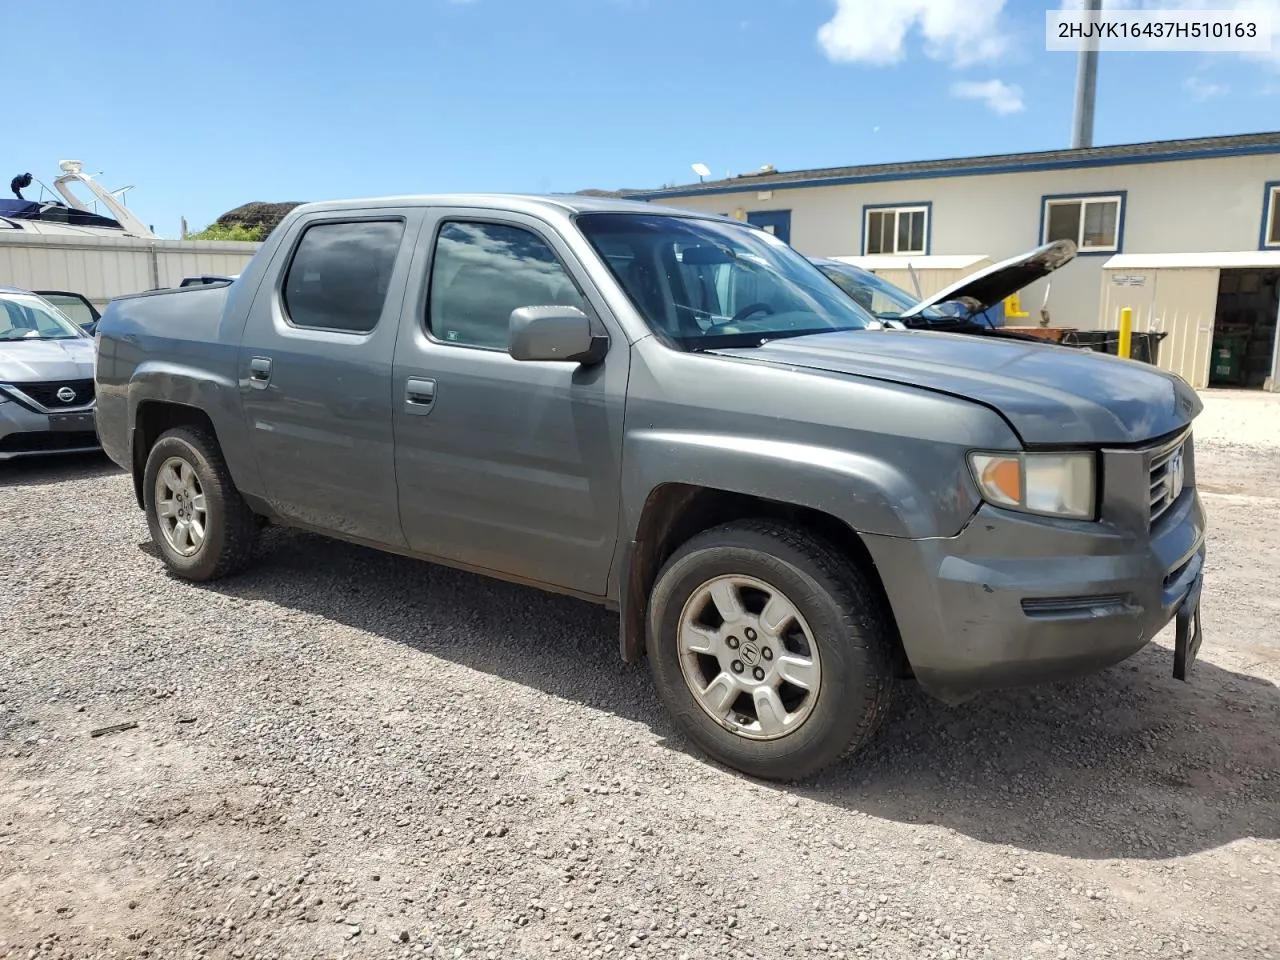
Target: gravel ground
{"points": [[348, 754]]}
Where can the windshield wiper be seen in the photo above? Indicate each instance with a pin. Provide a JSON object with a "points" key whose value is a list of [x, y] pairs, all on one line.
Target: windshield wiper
{"points": [[743, 341]]}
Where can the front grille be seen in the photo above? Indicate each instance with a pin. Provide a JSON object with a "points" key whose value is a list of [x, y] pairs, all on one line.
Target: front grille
{"points": [[47, 442], [45, 394], [1167, 475]]}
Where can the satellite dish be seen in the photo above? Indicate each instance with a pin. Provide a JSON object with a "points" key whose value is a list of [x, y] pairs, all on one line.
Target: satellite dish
{"points": [[702, 170]]}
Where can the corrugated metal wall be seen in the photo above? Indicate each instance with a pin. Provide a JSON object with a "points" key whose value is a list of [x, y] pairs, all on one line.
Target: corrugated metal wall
{"points": [[931, 280], [106, 267], [1182, 302]]}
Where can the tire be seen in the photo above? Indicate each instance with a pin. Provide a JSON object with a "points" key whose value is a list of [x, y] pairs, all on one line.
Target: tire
{"points": [[839, 620], [228, 525]]}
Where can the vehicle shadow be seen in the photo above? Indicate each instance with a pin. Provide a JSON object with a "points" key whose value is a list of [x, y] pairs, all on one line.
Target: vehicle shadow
{"points": [[1127, 763], [55, 468]]}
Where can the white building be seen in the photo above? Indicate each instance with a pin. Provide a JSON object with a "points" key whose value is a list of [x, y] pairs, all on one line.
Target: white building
{"points": [[1210, 196]]}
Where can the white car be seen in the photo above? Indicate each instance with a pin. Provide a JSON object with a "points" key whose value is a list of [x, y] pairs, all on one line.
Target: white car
{"points": [[47, 401]]}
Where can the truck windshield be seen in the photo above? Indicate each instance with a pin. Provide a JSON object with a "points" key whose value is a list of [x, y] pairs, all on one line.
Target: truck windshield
{"points": [[30, 318], [703, 284]]}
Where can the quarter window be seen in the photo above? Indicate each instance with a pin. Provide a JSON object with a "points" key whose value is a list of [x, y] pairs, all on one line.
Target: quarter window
{"points": [[1091, 223], [481, 272], [340, 274], [895, 230]]}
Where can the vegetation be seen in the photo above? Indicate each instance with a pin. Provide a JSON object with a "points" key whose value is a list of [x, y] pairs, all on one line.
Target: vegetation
{"points": [[235, 231]]}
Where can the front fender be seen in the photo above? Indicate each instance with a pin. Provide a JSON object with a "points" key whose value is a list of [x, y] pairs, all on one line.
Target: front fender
{"points": [[868, 494]]}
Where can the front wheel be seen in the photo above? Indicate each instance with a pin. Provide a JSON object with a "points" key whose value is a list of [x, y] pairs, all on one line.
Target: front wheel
{"points": [[198, 520], [769, 648]]}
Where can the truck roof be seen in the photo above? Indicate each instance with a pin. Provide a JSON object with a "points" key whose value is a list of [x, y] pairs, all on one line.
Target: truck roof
{"points": [[568, 203]]}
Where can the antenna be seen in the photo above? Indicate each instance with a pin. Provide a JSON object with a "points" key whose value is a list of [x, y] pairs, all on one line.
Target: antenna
{"points": [[915, 280], [702, 170]]}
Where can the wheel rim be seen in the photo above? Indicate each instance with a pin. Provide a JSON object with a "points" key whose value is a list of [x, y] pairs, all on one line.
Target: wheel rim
{"points": [[180, 506], [748, 657]]}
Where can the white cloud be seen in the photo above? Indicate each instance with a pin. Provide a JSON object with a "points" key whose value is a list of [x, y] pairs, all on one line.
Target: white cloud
{"points": [[1000, 97], [1202, 90], [875, 31], [1272, 9]]}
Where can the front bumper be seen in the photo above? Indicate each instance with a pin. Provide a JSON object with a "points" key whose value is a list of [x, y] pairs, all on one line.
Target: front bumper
{"points": [[26, 433], [1015, 600]]}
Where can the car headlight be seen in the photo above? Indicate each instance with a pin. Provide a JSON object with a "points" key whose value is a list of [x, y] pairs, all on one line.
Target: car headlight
{"points": [[1051, 484]]}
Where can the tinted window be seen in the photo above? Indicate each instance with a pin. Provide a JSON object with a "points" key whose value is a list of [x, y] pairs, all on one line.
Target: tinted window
{"points": [[340, 273], [483, 271]]}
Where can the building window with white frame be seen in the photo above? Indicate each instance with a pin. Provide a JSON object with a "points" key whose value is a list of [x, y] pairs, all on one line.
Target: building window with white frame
{"points": [[1092, 223], [895, 230], [1271, 218]]}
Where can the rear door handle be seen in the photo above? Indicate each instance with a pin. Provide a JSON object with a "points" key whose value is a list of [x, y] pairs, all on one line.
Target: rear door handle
{"points": [[259, 372], [419, 395]]}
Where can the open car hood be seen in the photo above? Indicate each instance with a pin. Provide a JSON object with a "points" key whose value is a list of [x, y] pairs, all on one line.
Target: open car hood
{"points": [[992, 284]]}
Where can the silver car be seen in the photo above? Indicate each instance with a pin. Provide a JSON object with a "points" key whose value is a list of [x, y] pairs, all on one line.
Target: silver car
{"points": [[46, 379]]}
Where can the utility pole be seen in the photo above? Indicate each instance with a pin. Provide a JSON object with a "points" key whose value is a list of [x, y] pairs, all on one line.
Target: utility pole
{"points": [[1086, 87]]}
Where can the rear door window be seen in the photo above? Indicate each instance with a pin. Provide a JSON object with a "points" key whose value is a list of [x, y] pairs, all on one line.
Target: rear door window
{"points": [[340, 273]]}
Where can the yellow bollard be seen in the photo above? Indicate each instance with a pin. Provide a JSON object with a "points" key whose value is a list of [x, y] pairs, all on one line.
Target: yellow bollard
{"points": [[1126, 331]]}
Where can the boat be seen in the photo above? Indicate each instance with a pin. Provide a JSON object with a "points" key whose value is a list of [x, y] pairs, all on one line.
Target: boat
{"points": [[72, 216]]}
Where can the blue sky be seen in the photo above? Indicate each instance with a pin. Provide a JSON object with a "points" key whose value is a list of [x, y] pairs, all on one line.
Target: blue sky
{"points": [[206, 106]]}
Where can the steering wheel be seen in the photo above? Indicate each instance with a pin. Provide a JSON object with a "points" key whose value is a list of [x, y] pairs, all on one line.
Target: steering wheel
{"points": [[749, 309]]}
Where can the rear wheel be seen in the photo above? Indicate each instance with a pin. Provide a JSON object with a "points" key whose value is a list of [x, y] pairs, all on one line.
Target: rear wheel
{"points": [[198, 520], [769, 648]]}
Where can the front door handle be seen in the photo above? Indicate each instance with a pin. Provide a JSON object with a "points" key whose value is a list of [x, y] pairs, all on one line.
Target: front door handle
{"points": [[259, 372], [419, 395]]}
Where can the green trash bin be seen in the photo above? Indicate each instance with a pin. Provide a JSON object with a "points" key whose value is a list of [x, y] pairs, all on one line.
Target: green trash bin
{"points": [[1227, 365]]}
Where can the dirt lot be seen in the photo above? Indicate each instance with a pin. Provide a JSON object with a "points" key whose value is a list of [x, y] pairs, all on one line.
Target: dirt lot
{"points": [[347, 754]]}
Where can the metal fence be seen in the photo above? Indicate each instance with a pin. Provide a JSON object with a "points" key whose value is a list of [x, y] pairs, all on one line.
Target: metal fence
{"points": [[106, 267]]}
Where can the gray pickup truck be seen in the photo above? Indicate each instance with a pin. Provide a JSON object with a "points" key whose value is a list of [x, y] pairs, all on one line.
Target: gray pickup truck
{"points": [[678, 416]]}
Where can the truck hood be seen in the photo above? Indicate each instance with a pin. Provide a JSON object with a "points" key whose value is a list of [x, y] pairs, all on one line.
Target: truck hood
{"points": [[28, 361], [1050, 395], [992, 284]]}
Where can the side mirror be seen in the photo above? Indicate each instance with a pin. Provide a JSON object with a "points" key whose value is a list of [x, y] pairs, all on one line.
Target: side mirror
{"points": [[554, 333]]}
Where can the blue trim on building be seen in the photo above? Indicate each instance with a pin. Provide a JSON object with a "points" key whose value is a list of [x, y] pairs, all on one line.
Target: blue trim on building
{"points": [[1124, 209], [751, 185], [1271, 185], [928, 224]]}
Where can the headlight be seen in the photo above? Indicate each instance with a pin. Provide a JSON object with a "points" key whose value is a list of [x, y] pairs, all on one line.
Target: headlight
{"points": [[1053, 484]]}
